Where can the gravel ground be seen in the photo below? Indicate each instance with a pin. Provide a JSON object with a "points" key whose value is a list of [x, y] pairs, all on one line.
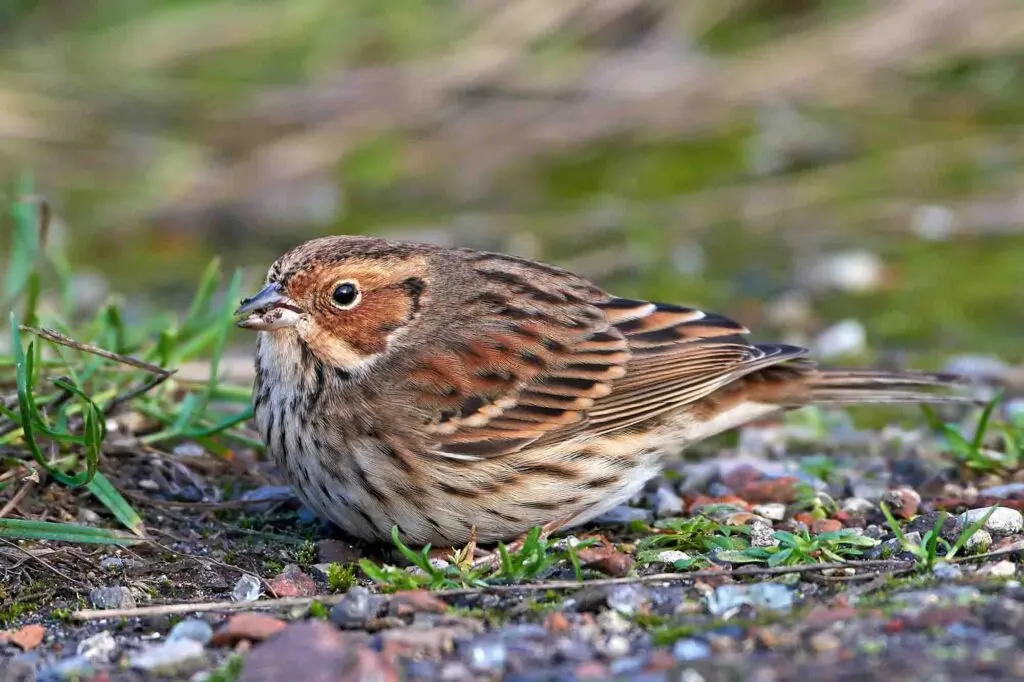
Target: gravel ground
{"points": [[663, 597]]}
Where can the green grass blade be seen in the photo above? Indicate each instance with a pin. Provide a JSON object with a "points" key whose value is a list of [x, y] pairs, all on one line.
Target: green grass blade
{"points": [[29, 416], [201, 301], [106, 493], [22, 529], [24, 241]]}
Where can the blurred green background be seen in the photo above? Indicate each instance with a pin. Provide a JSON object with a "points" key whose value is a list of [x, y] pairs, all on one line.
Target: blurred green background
{"points": [[843, 173]]}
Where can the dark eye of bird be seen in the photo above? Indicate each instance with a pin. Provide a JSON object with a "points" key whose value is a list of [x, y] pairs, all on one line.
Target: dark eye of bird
{"points": [[346, 294]]}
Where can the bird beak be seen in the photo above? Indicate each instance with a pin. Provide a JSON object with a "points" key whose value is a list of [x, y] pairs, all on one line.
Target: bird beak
{"points": [[268, 310]]}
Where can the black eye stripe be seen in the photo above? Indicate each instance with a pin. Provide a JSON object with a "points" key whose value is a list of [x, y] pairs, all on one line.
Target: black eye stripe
{"points": [[346, 294]]}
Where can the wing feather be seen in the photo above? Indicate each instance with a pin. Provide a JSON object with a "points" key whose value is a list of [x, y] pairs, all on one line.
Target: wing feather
{"points": [[567, 358]]}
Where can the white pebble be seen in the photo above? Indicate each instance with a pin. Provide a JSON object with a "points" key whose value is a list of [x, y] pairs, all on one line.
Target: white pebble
{"points": [[1003, 521], [773, 511], [670, 556], [1002, 569]]}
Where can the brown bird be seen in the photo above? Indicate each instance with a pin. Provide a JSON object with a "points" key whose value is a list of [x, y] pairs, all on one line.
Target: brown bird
{"points": [[444, 390]]}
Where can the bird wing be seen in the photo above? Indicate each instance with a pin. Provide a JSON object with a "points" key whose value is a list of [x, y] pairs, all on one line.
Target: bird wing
{"points": [[679, 355], [552, 364]]}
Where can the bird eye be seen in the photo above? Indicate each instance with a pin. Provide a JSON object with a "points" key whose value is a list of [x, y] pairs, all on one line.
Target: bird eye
{"points": [[346, 295]]}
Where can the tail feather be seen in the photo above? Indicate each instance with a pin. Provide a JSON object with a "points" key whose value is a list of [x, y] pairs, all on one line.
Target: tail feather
{"points": [[851, 387]]}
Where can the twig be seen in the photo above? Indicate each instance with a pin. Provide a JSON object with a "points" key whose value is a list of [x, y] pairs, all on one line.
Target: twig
{"points": [[43, 562], [18, 497], [133, 393], [331, 599], [56, 337], [1012, 549]]}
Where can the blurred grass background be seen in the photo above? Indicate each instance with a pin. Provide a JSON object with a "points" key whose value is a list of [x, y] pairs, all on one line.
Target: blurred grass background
{"points": [[822, 169]]}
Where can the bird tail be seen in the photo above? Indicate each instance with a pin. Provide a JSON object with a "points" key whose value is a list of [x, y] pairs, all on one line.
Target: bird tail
{"points": [[854, 387]]}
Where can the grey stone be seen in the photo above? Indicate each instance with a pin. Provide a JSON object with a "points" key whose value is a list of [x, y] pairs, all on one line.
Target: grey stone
{"points": [[1006, 490], [355, 609], [117, 597], [727, 599], [690, 650], [487, 655], [762, 535], [193, 629], [98, 648], [1003, 521], [17, 669], [624, 514], [627, 599], [270, 493], [944, 570], [113, 563], [667, 502], [72, 668], [173, 657]]}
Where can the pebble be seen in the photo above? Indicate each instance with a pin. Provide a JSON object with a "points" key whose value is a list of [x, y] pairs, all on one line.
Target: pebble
{"points": [[1003, 521], [773, 511], [944, 570], [727, 599], [113, 563], [355, 609], [487, 655], [251, 626], [615, 646], [270, 493], [313, 650], [624, 514], [189, 449], [613, 622], [671, 556], [667, 503], [170, 658], [72, 668], [690, 650], [193, 629], [762, 535], [248, 588], [857, 506], [330, 551], [117, 597], [88, 516], [824, 642], [1000, 569], [903, 502], [17, 669], [628, 599], [415, 601], [628, 666], [826, 526], [98, 648], [1006, 490], [979, 542], [292, 582]]}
